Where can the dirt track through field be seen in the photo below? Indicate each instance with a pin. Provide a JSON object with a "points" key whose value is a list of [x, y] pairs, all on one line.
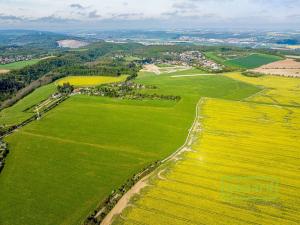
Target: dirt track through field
{"points": [[124, 201]]}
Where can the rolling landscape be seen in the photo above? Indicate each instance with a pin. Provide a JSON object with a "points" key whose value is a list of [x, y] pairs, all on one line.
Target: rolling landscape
{"points": [[148, 126]]}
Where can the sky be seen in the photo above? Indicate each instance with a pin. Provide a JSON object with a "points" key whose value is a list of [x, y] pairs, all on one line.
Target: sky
{"points": [[149, 14]]}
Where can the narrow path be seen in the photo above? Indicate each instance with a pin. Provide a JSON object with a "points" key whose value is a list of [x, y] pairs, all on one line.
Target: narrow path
{"points": [[186, 145], [124, 201]]}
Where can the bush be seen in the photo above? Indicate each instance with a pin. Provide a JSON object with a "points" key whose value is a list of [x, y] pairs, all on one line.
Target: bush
{"points": [[252, 74]]}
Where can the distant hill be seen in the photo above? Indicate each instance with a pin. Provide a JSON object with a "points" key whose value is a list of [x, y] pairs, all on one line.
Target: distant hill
{"points": [[40, 39]]}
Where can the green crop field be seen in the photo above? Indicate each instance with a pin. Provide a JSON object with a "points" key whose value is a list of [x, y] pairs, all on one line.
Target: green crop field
{"points": [[214, 56], [19, 65], [60, 167], [18, 112], [252, 61], [241, 168]]}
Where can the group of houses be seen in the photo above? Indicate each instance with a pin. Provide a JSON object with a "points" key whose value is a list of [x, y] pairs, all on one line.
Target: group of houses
{"points": [[12, 59], [193, 58]]}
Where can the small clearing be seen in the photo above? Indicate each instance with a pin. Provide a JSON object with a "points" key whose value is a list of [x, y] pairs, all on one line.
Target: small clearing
{"points": [[164, 69], [3, 71], [173, 69], [151, 68]]}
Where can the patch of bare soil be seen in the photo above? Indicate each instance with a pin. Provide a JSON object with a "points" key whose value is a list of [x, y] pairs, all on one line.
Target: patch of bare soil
{"points": [[287, 67], [151, 68], [173, 69], [3, 71]]}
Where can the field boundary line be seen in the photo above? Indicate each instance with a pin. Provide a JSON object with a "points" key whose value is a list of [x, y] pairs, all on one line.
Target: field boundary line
{"points": [[256, 94], [189, 136]]}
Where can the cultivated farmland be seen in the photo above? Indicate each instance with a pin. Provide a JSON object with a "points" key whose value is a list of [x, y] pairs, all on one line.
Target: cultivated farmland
{"points": [[252, 61], [287, 67], [83, 81], [23, 109], [241, 168], [277, 90], [60, 167]]}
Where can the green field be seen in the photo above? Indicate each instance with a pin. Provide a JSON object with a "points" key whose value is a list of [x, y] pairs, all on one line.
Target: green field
{"points": [[252, 61], [60, 167], [22, 110], [214, 56], [19, 65], [18, 112], [131, 58], [164, 65], [242, 167]]}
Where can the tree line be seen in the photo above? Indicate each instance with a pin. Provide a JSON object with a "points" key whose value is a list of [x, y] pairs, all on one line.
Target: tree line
{"points": [[12, 85]]}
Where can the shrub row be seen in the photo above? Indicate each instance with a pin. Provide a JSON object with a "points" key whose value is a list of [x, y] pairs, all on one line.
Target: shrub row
{"points": [[108, 204], [3, 153], [127, 90]]}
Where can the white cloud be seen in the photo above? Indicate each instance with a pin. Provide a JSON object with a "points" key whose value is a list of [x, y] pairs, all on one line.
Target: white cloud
{"points": [[201, 12]]}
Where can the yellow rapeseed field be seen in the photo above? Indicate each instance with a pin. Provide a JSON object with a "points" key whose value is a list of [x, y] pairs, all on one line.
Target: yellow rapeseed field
{"points": [[278, 90], [90, 80], [243, 167]]}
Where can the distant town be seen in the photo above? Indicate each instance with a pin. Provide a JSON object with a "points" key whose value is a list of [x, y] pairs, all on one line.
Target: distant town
{"points": [[192, 58]]}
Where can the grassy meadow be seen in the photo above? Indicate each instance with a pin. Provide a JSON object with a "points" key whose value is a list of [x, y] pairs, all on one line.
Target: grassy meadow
{"points": [[19, 111], [18, 65], [60, 167], [252, 61], [84, 81], [242, 166]]}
